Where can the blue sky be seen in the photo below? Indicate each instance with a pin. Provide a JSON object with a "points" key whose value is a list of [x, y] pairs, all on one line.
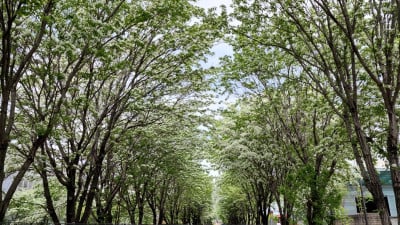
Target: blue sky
{"points": [[219, 49]]}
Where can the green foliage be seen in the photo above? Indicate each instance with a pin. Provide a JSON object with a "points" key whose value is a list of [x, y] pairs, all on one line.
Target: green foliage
{"points": [[232, 204], [163, 164], [284, 125], [116, 91], [29, 205], [282, 141]]}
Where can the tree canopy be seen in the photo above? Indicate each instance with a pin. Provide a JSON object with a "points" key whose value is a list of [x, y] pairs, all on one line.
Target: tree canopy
{"points": [[107, 110], [99, 94]]}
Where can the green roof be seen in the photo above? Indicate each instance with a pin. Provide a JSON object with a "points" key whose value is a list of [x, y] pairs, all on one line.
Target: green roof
{"points": [[385, 177]]}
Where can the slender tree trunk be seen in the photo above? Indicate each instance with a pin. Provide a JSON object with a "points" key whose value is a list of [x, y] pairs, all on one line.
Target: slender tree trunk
{"points": [[186, 215], [49, 201], [154, 212], [161, 202], [96, 172], [108, 216], [101, 211], [312, 203], [258, 204], [47, 194], [140, 211], [18, 178], [131, 213], [372, 180], [131, 207], [264, 217], [10, 76], [393, 156], [70, 209], [100, 214], [161, 216]]}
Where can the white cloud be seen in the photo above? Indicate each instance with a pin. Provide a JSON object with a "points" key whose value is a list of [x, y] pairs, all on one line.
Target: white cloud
{"points": [[219, 50], [212, 3]]}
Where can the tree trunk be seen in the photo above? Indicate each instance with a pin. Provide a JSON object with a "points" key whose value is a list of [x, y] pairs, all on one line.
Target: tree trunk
{"points": [[49, 202], [393, 156], [18, 178], [47, 194], [70, 209], [372, 180], [71, 199], [131, 213], [186, 215], [109, 216], [161, 216], [96, 172], [10, 76], [130, 207], [154, 212], [141, 212]]}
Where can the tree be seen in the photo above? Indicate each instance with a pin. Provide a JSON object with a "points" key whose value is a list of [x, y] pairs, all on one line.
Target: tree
{"points": [[23, 26], [298, 132], [104, 70], [29, 204], [246, 153], [346, 49], [78, 75], [164, 175], [234, 205], [285, 158]]}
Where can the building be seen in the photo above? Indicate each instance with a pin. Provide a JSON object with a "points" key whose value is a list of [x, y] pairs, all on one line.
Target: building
{"points": [[352, 200], [24, 184]]}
